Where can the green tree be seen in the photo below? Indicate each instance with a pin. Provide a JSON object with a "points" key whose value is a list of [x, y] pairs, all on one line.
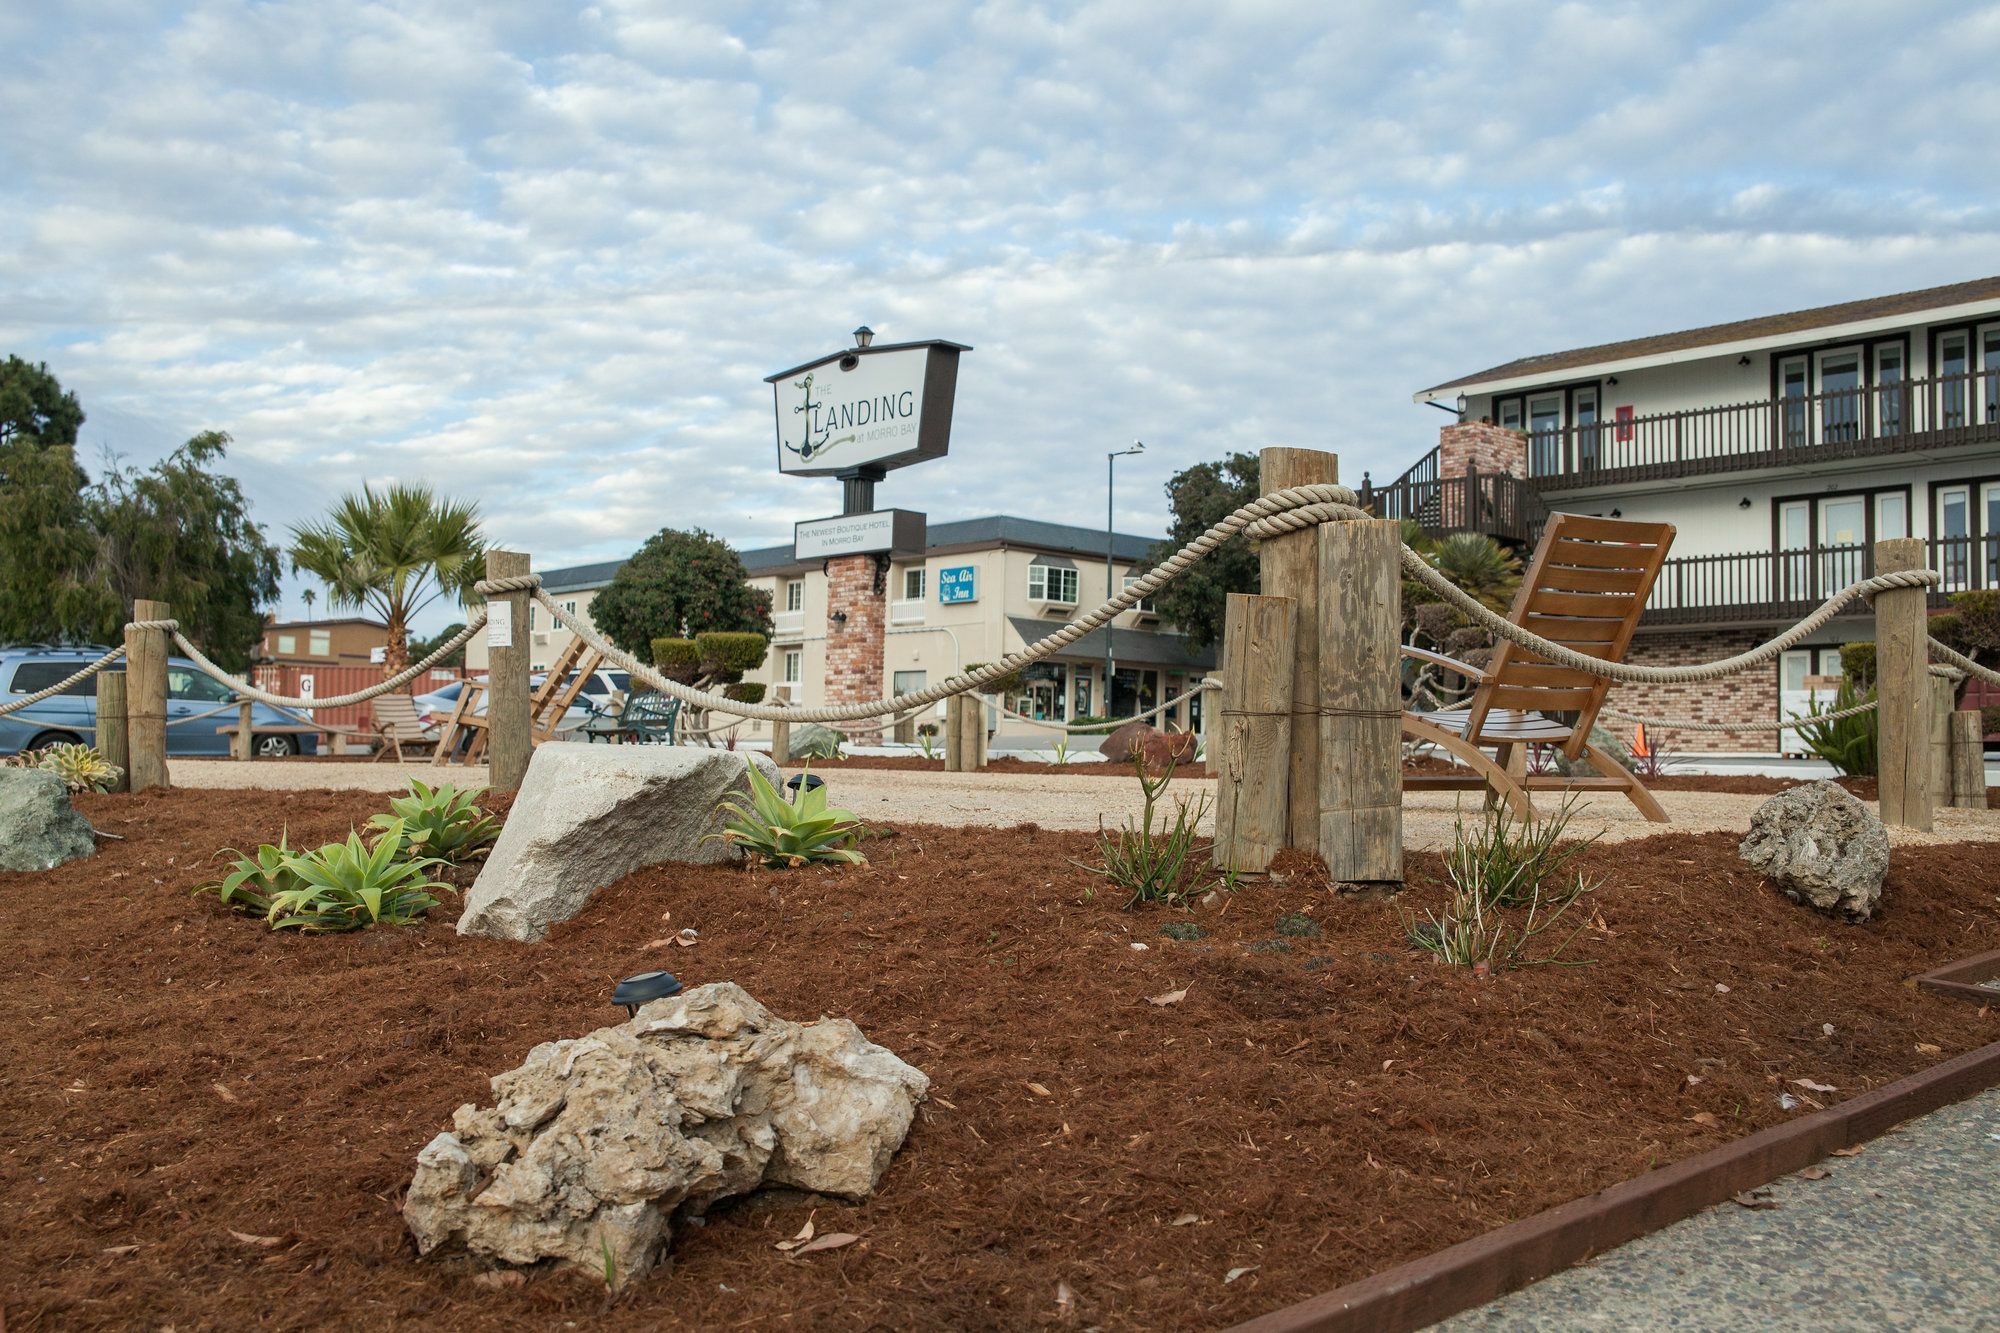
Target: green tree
{"points": [[47, 549], [422, 648], [1200, 497], [679, 585], [181, 533], [393, 552]]}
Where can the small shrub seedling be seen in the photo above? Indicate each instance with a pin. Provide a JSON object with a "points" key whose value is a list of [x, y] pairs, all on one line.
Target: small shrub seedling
{"points": [[786, 833], [441, 822], [1502, 866], [1508, 859], [1152, 864]]}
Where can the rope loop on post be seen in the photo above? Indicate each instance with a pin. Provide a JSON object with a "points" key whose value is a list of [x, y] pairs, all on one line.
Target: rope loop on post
{"points": [[508, 583]]}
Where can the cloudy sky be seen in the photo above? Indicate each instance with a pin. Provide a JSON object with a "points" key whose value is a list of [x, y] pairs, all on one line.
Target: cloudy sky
{"points": [[543, 253]]}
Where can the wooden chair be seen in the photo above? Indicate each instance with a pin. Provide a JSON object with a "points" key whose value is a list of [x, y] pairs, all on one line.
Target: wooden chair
{"points": [[397, 725], [1585, 588]]}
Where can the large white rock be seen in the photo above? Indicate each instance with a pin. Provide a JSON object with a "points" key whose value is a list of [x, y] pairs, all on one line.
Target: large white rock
{"points": [[596, 1144], [1821, 847], [587, 816]]}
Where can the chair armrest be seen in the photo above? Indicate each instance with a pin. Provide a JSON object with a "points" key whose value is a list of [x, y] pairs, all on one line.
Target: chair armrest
{"points": [[1448, 663]]}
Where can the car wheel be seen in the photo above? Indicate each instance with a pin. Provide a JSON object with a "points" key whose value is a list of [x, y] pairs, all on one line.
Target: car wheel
{"points": [[50, 739], [276, 747]]}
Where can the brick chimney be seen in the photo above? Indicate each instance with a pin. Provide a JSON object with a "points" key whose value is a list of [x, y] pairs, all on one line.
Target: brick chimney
{"points": [[1483, 446]]}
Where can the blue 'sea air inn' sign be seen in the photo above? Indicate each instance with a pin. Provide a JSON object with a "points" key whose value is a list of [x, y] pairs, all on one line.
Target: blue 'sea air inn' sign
{"points": [[958, 584]]}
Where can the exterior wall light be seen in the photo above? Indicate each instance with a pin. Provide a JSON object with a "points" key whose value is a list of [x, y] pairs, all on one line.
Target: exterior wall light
{"points": [[863, 336], [1743, 360], [636, 990], [1744, 503]]}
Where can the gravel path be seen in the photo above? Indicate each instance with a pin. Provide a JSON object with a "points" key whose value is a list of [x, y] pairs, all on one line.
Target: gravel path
{"points": [[1901, 1236], [1075, 802]]}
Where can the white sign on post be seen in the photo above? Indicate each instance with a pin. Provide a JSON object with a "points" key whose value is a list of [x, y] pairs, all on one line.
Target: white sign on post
{"points": [[858, 534], [880, 407], [499, 624], [378, 655]]}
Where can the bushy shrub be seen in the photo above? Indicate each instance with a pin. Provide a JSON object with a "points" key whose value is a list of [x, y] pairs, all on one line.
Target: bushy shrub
{"points": [[726, 656], [786, 833], [1495, 869], [746, 691], [1857, 666], [1007, 684], [677, 659]]}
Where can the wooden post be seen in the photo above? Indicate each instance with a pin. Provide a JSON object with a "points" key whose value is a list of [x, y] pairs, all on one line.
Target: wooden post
{"points": [[954, 733], [972, 733], [1943, 698], [146, 697], [1902, 658], [1968, 761], [508, 713], [1359, 703], [113, 740], [239, 744], [1288, 566], [979, 733], [781, 740], [1253, 731], [1210, 733]]}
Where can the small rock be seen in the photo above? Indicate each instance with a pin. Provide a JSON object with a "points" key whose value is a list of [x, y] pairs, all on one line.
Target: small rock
{"points": [[39, 828], [1821, 847]]}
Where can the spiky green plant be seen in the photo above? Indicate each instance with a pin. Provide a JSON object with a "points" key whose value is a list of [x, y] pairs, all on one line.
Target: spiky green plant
{"points": [[253, 881], [786, 833], [80, 767], [1152, 859], [1487, 871], [351, 886], [443, 822], [1507, 860], [1850, 744]]}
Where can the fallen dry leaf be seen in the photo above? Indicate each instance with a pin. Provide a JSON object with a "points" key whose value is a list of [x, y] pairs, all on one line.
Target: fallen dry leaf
{"points": [[223, 1092], [1235, 1273], [118, 1249], [1855, 1151], [1065, 1297], [1925, 1048], [1749, 1200], [805, 1234], [661, 943], [1038, 1089], [832, 1240], [1170, 997], [1811, 1086], [1704, 1118], [1815, 1173], [688, 938], [942, 1102], [499, 1279], [265, 1241], [1184, 1220]]}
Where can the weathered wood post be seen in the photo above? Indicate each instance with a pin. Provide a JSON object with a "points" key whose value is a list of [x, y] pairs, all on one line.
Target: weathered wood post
{"points": [[1209, 734], [113, 740], [146, 697], [1902, 659], [1289, 566], [781, 738], [954, 733], [1968, 761], [1943, 699], [239, 744], [508, 714], [1252, 732], [1359, 702], [971, 733]]}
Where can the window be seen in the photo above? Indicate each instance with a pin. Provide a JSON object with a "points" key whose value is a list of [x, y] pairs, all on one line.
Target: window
{"points": [[1889, 391], [913, 584], [1954, 360], [795, 661], [1892, 515], [288, 643], [906, 682], [1144, 606], [1508, 413], [795, 595], [321, 643], [1989, 365], [1545, 442], [187, 683], [1840, 396], [1588, 455], [1046, 583], [31, 677], [568, 607], [1792, 388]]}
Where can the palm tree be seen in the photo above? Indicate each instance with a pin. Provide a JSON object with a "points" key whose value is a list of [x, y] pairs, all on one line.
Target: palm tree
{"points": [[1479, 565], [393, 552], [310, 597]]}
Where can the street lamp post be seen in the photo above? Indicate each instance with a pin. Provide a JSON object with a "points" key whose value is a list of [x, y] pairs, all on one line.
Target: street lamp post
{"points": [[1110, 481]]}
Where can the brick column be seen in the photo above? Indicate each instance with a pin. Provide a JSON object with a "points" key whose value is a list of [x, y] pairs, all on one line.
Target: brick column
{"points": [[856, 616], [1483, 445]]}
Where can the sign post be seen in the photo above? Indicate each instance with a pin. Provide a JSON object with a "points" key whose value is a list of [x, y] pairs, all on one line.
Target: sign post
{"points": [[857, 415]]}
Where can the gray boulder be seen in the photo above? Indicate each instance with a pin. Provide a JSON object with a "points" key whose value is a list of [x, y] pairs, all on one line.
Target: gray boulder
{"points": [[595, 1145], [810, 740], [1821, 847], [39, 828], [587, 816]]}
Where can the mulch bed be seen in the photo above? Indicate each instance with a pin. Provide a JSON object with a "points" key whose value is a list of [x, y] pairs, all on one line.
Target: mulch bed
{"points": [[1317, 1108]]}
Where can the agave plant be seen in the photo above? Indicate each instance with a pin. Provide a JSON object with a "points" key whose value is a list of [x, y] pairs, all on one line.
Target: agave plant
{"points": [[253, 881], [788, 833], [441, 822], [351, 886]]}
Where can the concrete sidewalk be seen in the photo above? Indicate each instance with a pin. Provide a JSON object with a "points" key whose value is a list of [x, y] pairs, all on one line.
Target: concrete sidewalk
{"points": [[1901, 1236]]}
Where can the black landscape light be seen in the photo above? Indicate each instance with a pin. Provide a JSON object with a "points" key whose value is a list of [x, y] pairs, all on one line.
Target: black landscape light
{"points": [[806, 781], [636, 990]]}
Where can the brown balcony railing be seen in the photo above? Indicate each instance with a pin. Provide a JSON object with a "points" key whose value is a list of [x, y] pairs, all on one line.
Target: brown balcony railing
{"points": [[1784, 585], [1843, 423], [1493, 504]]}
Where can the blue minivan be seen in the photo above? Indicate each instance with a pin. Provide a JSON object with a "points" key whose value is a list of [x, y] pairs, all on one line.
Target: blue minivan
{"points": [[71, 716]]}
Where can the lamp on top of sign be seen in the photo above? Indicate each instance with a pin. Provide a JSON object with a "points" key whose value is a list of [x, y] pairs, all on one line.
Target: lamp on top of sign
{"points": [[868, 407]]}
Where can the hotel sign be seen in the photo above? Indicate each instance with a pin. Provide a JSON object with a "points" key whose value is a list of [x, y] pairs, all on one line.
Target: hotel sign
{"points": [[958, 584], [877, 407], [897, 530]]}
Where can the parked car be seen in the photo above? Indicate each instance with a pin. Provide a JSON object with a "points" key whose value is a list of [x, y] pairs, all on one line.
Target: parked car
{"points": [[71, 717], [436, 706]]}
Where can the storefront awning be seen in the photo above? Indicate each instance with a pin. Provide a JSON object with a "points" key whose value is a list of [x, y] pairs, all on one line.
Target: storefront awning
{"points": [[1130, 647]]}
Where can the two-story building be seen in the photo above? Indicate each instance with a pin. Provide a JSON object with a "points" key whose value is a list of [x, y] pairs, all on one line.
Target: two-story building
{"points": [[984, 587], [338, 641], [1780, 447]]}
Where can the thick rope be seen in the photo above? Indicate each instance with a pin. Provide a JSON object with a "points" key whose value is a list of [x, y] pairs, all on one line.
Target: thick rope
{"points": [[307, 704], [1629, 672], [1964, 663], [30, 700], [1111, 724], [1689, 724]]}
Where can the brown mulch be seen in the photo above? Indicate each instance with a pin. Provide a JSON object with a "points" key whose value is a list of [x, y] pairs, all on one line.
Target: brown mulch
{"points": [[1316, 1108]]}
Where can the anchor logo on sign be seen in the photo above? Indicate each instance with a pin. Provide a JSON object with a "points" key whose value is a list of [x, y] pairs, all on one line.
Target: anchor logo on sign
{"points": [[813, 446]]}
